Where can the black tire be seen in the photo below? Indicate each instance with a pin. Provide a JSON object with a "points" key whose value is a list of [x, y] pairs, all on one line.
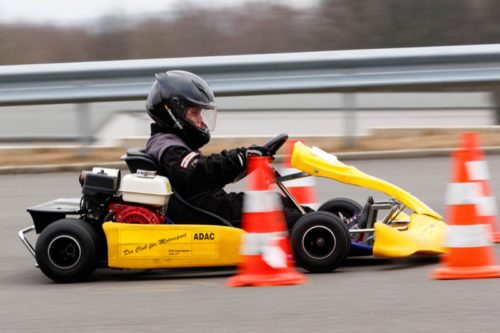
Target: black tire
{"points": [[345, 206], [67, 250], [320, 242]]}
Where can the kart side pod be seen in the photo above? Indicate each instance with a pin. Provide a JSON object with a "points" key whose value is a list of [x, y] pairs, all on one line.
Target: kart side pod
{"points": [[137, 246]]}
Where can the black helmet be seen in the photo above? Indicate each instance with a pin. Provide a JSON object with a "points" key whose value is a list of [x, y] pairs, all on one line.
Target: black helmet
{"points": [[173, 93]]}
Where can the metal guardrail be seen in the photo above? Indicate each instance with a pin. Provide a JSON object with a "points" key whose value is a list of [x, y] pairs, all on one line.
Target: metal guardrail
{"points": [[462, 67]]}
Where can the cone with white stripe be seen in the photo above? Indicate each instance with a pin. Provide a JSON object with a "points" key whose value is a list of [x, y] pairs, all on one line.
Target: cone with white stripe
{"points": [[479, 173], [470, 252], [302, 189], [266, 259]]}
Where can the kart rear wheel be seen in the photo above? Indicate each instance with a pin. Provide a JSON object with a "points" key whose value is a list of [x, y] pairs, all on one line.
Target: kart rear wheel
{"points": [[67, 250], [342, 207], [320, 242]]}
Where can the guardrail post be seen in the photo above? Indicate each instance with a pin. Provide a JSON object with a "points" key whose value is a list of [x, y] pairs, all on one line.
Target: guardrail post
{"points": [[350, 124], [83, 127]]}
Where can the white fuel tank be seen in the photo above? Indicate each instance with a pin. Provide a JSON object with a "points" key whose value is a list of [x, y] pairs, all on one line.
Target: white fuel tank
{"points": [[146, 187]]}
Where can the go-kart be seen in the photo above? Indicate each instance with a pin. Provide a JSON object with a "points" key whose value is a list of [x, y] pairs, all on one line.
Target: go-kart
{"points": [[139, 222]]}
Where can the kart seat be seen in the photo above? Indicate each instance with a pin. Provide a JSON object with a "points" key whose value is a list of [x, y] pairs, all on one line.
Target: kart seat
{"points": [[138, 159], [179, 210]]}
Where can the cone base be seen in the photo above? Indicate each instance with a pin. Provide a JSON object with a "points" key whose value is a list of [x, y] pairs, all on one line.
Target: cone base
{"points": [[453, 273], [275, 279]]}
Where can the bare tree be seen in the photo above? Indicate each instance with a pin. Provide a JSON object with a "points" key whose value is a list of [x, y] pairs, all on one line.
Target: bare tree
{"points": [[259, 27]]}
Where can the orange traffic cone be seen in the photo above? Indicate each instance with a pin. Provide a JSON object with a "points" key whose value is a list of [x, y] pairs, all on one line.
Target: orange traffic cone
{"points": [[266, 259], [470, 252], [478, 172], [302, 189]]}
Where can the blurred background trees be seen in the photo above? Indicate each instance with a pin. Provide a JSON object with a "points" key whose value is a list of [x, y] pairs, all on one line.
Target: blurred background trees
{"points": [[257, 27]]}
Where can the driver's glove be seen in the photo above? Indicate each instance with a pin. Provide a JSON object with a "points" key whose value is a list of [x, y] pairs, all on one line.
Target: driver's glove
{"points": [[255, 151], [245, 153]]}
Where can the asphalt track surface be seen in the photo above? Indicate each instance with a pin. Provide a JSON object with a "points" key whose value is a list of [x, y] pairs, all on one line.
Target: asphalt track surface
{"points": [[364, 295]]}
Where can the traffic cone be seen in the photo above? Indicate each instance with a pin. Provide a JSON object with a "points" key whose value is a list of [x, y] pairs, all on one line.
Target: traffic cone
{"points": [[266, 259], [470, 252], [479, 172], [302, 189]]}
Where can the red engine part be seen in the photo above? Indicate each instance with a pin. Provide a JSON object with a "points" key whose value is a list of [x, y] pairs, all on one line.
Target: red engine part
{"points": [[135, 214]]}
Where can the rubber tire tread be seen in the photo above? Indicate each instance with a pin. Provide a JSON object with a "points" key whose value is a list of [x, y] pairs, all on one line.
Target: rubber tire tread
{"points": [[88, 239], [346, 206], [338, 228]]}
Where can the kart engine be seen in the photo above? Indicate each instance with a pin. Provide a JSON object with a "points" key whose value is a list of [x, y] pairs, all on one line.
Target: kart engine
{"points": [[135, 214], [141, 198], [98, 188]]}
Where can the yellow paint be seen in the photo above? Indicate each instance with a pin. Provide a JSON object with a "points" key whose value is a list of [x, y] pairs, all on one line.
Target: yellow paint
{"points": [[425, 235], [426, 230], [304, 159], [169, 246]]}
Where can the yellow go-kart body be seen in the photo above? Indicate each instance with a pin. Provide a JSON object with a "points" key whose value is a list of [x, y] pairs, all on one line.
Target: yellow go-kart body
{"points": [[425, 229], [167, 246]]}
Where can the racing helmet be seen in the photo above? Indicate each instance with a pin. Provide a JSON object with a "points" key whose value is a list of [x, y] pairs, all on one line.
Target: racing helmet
{"points": [[171, 96]]}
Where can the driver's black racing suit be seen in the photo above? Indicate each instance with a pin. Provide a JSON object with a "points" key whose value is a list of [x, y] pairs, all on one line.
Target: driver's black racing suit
{"points": [[200, 178]]}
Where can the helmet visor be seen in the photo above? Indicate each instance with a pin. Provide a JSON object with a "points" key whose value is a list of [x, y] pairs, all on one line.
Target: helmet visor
{"points": [[209, 118], [201, 117]]}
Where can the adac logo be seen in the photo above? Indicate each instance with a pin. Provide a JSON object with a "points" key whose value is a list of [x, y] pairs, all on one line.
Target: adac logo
{"points": [[204, 236]]}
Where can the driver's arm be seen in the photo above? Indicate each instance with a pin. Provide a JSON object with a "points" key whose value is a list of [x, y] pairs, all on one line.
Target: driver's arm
{"points": [[191, 168]]}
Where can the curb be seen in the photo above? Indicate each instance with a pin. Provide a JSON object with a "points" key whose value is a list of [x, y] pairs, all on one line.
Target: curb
{"points": [[346, 156]]}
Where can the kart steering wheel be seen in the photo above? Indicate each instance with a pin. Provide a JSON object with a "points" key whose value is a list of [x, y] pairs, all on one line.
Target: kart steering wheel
{"points": [[272, 147], [275, 143]]}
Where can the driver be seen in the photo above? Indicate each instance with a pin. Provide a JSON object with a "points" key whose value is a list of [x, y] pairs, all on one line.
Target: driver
{"points": [[184, 113]]}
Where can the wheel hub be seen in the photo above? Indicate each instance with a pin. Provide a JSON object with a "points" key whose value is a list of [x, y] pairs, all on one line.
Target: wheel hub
{"points": [[319, 242], [64, 252]]}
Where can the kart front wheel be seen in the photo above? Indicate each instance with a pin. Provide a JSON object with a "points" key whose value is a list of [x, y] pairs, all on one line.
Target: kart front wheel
{"points": [[320, 242], [342, 207], [67, 250]]}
